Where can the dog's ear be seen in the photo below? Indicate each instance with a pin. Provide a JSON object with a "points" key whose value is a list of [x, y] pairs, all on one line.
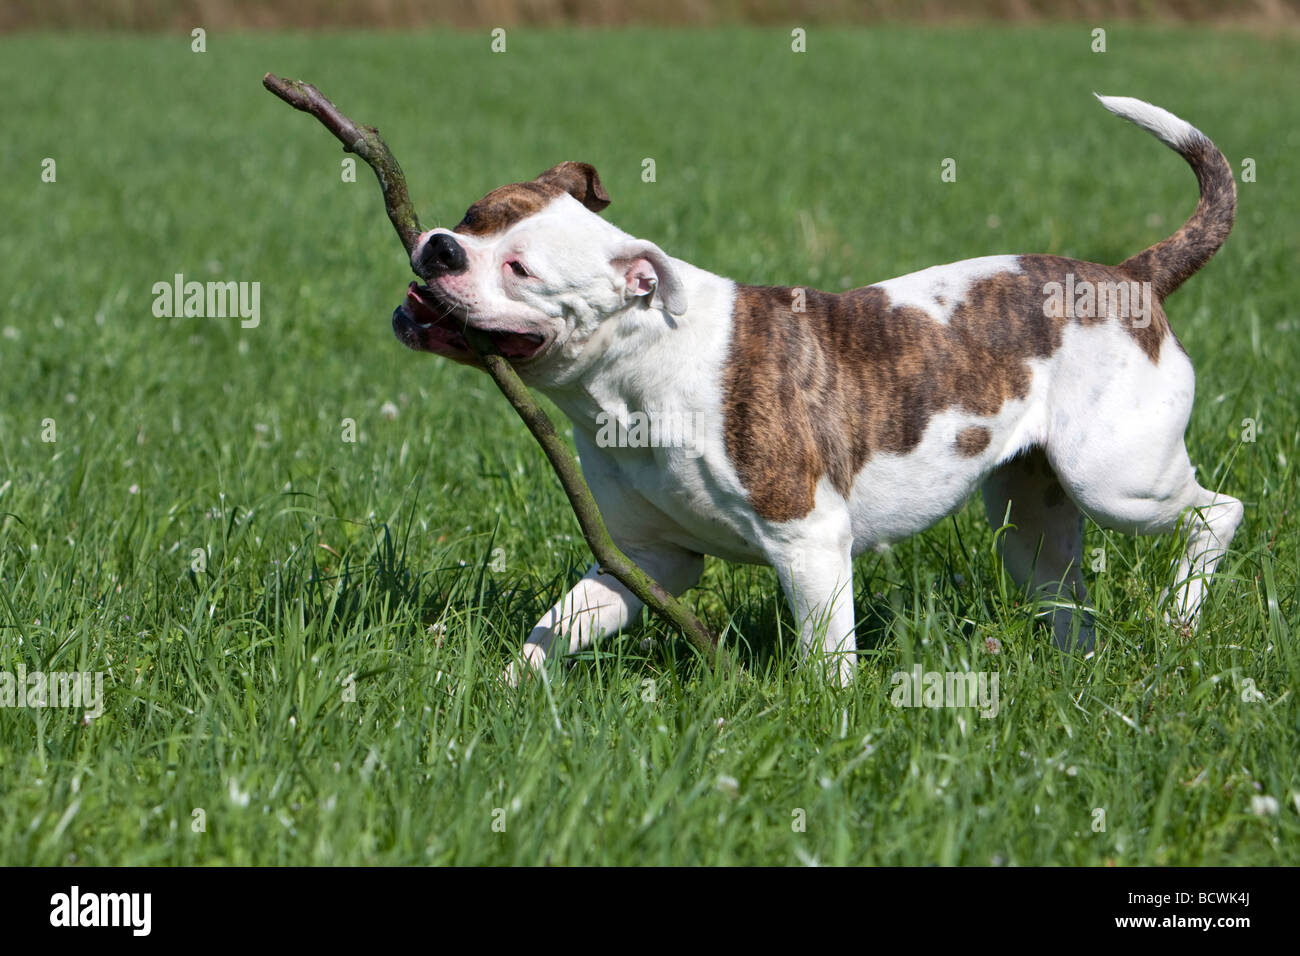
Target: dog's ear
{"points": [[580, 181], [647, 271]]}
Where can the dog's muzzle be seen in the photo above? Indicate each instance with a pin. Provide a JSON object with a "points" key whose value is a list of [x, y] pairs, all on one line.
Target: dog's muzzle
{"points": [[440, 255], [425, 323]]}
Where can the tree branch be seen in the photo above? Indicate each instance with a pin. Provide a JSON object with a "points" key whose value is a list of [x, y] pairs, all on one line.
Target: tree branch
{"points": [[362, 140], [366, 143]]}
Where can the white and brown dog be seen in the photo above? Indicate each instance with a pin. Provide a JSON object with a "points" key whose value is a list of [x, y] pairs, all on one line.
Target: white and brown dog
{"points": [[821, 425]]}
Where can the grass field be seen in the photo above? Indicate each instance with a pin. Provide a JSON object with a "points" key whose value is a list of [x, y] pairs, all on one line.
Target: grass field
{"points": [[326, 689]]}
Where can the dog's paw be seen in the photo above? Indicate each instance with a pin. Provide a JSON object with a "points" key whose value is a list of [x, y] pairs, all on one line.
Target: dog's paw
{"points": [[531, 664], [1176, 615], [1184, 629], [512, 675], [1074, 630]]}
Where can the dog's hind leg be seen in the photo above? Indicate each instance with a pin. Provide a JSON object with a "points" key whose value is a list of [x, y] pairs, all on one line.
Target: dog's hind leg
{"points": [[1043, 548], [1129, 486], [1125, 463], [1208, 527], [1175, 503]]}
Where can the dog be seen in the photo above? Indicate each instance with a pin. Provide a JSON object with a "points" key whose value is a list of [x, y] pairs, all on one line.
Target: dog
{"points": [[809, 427]]}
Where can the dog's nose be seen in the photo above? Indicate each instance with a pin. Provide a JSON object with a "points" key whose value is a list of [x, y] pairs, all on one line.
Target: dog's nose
{"points": [[441, 254]]}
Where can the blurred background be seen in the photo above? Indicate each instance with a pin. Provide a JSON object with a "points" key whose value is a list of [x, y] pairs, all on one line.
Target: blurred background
{"points": [[229, 521], [395, 14]]}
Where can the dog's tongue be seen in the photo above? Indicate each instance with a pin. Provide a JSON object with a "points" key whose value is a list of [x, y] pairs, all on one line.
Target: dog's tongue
{"points": [[509, 344], [417, 306]]}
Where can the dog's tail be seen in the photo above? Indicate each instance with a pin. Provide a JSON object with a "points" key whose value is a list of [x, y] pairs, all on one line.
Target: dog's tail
{"points": [[1170, 263]]}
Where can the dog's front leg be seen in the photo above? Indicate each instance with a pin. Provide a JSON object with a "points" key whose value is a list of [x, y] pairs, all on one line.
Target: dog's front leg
{"points": [[599, 605], [816, 571]]}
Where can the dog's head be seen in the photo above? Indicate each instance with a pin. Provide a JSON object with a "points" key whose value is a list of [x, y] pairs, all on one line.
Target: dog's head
{"points": [[534, 267]]}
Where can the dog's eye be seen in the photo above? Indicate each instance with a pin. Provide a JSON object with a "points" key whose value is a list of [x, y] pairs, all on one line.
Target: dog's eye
{"points": [[518, 269]]}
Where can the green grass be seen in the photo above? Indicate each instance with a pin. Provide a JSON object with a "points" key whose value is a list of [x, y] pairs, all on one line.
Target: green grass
{"points": [[225, 689]]}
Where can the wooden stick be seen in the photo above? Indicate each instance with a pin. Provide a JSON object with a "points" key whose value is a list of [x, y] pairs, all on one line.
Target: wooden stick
{"points": [[366, 143]]}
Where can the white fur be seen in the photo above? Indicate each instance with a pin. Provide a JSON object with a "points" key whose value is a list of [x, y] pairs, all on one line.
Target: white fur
{"points": [[1111, 423], [1165, 126], [924, 289]]}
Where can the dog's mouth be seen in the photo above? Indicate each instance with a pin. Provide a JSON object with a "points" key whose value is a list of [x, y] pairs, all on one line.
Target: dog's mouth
{"points": [[425, 323]]}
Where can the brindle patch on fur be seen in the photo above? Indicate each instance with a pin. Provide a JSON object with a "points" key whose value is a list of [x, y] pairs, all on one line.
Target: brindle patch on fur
{"points": [[506, 205], [973, 440], [1169, 264], [817, 393], [1149, 332]]}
